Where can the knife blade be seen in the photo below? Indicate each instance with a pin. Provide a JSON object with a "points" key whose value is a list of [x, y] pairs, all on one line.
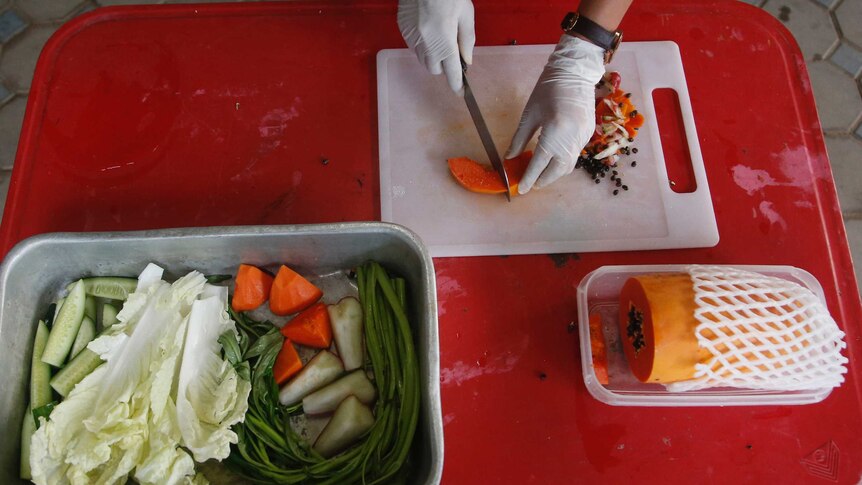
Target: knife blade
{"points": [[482, 128]]}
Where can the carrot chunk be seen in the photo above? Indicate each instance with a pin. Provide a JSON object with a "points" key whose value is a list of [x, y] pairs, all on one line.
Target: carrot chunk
{"points": [[252, 288], [291, 292], [311, 327], [287, 363]]}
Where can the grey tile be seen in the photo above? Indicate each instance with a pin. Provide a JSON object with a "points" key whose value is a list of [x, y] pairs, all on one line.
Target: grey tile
{"points": [[19, 58], [756, 3], [11, 24], [5, 94], [848, 58], [854, 238], [88, 7], [849, 15], [859, 131], [810, 24], [11, 117], [5, 176], [107, 3], [837, 96], [45, 11], [827, 3], [844, 156]]}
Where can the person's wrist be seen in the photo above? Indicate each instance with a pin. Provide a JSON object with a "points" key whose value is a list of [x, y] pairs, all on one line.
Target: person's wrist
{"points": [[582, 37], [585, 29], [578, 46]]}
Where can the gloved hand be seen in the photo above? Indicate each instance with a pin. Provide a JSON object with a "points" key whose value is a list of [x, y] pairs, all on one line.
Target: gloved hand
{"points": [[435, 30], [563, 105]]}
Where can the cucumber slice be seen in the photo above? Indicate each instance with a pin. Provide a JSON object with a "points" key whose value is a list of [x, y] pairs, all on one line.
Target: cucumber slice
{"points": [[65, 327], [109, 315], [111, 287], [28, 427], [57, 308], [75, 371], [85, 334], [90, 306], [40, 372]]}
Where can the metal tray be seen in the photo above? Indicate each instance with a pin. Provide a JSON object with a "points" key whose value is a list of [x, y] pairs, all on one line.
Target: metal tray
{"points": [[38, 267]]}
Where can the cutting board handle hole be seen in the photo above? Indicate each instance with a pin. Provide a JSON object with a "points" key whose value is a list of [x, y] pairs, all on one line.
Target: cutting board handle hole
{"points": [[674, 141]]}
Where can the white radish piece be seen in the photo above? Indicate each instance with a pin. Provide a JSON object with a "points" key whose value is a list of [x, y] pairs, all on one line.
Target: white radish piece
{"points": [[346, 319], [322, 369], [325, 400], [350, 421], [622, 129], [610, 150]]}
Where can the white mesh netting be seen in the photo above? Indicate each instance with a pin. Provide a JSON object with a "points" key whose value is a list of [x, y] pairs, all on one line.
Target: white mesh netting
{"points": [[762, 333]]}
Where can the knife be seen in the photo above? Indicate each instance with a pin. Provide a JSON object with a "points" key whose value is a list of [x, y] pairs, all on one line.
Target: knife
{"points": [[482, 128]]}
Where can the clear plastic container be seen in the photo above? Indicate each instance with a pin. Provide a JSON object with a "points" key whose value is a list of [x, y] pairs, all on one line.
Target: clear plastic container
{"points": [[599, 293]]}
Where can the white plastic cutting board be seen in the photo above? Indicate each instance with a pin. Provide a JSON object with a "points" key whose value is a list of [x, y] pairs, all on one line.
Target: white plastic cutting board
{"points": [[422, 124]]}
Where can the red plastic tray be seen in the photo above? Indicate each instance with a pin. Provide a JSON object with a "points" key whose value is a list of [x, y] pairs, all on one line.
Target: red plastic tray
{"points": [[149, 117]]}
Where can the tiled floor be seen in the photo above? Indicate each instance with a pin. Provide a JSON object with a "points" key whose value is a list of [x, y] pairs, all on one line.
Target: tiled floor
{"points": [[828, 31]]}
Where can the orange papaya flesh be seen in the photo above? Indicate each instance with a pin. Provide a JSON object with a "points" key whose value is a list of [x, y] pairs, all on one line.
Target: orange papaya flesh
{"points": [[599, 349], [657, 327], [483, 179]]}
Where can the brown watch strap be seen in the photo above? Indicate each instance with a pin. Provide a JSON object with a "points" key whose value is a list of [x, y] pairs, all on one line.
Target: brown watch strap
{"points": [[574, 23]]}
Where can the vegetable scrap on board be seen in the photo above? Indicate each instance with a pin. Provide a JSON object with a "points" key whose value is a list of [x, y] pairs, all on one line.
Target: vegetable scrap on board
{"points": [[617, 125]]}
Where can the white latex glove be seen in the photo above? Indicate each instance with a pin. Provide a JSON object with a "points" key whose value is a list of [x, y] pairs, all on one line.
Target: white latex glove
{"points": [[436, 30], [563, 105]]}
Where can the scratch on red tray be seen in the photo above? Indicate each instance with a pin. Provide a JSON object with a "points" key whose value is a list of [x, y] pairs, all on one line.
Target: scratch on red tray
{"points": [[274, 122], [768, 211], [461, 372], [272, 125], [284, 200], [447, 288], [752, 180], [795, 164], [448, 418], [231, 93]]}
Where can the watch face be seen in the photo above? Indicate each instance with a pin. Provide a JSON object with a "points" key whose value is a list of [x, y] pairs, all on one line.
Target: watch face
{"points": [[569, 21]]}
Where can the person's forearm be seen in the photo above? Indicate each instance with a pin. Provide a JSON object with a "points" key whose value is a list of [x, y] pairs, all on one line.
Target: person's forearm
{"points": [[607, 13]]}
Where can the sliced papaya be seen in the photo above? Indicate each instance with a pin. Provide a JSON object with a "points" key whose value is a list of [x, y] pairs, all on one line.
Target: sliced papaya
{"points": [[483, 179], [599, 350]]}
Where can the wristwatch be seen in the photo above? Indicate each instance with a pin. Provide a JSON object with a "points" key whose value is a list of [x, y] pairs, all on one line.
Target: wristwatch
{"points": [[575, 23]]}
